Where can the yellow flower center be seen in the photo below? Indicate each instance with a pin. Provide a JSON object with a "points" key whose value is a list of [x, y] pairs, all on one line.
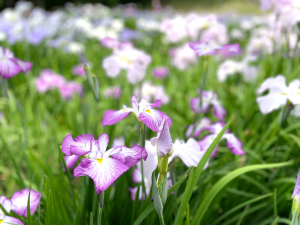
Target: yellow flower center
{"points": [[123, 110], [125, 58], [282, 93], [1, 221], [148, 111], [100, 160], [3, 59]]}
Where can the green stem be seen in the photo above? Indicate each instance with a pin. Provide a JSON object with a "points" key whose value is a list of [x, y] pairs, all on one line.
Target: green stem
{"points": [[4, 87], [101, 203], [161, 219], [142, 143]]}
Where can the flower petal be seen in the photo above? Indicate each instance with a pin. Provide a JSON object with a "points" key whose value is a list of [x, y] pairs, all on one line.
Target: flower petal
{"points": [[11, 220], [204, 122], [111, 117], [83, 144], [271, 102], [8, 68], [206, 142], [135, 105], [164, 141], [103, 141], [103, 173], [219, 111], [234, 144], [156, 103], [153, 118], [297, 186], [71, 161], [188, 152], [25, 66], [19, 201], [130, 156]]}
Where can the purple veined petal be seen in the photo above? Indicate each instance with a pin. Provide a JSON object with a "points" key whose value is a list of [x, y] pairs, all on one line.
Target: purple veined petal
{"points": [[130, 156], [83, 144], [19, 201], [297, 186], [111, 117], [2, 197], [164, 140], [203, 48], [153, 118], [135, 105], [156, 103], [203, 123], [234, 144], [8, 220], [113, 151], [8, 68], [154, 141], [66, 144], [136, 176], [206, 142], [71, 161], [189, 152], [25, 66], [103, 172], [189, 131], [96, 155], [219, 111], [103, 141]]}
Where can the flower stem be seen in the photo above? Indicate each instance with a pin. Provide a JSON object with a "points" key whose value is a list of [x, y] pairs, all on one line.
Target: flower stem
{"points": [[101, 203], [4, 87], [142, 143], [161, 219]]}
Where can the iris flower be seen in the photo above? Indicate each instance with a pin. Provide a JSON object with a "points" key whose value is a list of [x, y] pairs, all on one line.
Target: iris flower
{"points": [[104, 167], [233, 143], [143, 111], [11, 66], [18, 204], [279, 94]]}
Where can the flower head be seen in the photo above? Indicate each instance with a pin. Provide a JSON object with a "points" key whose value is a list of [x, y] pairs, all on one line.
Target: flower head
{"points": [[104, 167], [160, 72], [279, 94], [11, 66], [143, 111]]}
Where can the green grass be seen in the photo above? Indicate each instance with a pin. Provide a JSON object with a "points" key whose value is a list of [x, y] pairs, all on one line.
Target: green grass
{"points": [[34, 126]]}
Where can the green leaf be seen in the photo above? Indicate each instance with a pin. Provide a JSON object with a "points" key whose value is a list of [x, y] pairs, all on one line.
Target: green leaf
{"points": [[29, 218], [157, 201], [96, 93], [164, 192], [150, 208], [193, 179], [224, 181], [91, 218]]}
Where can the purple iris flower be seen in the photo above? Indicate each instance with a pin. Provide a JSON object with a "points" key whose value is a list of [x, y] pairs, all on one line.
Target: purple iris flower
{"points": [[11, 66], [233, 143], [18, 204], [160, 72], [143, 111], [104, 167]]}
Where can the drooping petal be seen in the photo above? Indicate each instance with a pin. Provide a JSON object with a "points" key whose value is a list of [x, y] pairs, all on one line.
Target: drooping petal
{"points": [[219, 111], [274, 84], [8, 220], [195, 105], [136, 176], [163, 139], [66, 144], [19, 201], [71, 161], [156, 103], [188, 152], [297, 186], [206, 142], [230, 50], [7, 205], [8, 68], [271, 102], [111, 117], [103, 172], [234, 144], [130, 156], [25, 66], [153, 118], [83, 144], [103, 141], [189, 131]]}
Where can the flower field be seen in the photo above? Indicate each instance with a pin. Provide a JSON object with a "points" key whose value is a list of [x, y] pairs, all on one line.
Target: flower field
{"points": [[131, 116]]}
